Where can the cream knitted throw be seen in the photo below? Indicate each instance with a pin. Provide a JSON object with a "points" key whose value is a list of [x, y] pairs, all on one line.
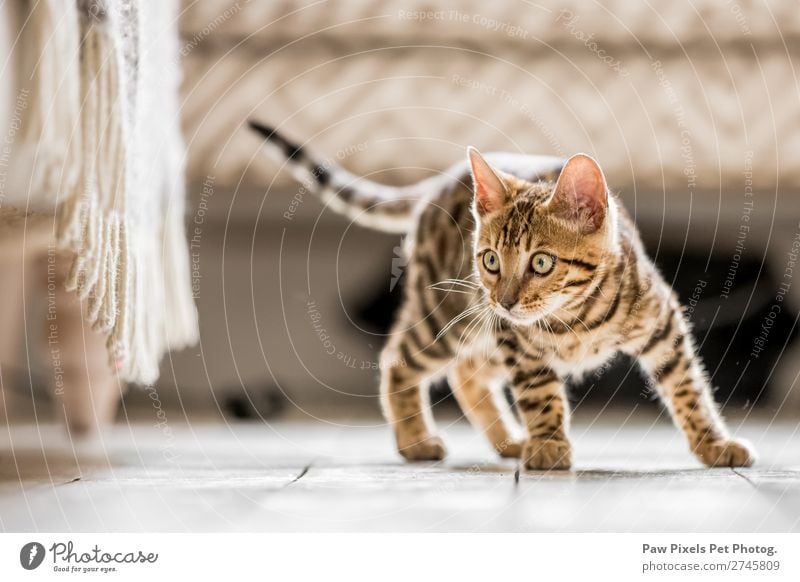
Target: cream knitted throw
{"points": [[104, 117]]}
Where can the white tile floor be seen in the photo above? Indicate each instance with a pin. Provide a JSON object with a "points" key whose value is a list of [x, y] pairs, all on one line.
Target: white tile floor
{"points": [[299, 476]]}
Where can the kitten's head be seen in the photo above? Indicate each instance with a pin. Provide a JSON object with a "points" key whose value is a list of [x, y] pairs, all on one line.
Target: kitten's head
{"points": [[540, 246]]}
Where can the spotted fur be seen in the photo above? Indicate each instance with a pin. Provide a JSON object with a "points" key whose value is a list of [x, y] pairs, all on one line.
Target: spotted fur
{"points": [[532, 330]]}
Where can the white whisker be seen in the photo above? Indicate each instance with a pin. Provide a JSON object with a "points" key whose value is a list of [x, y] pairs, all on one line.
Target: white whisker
{"points": [[462, 282], [466, 313], [579, 320], [463, 292], [562, 322], [474, 325]]}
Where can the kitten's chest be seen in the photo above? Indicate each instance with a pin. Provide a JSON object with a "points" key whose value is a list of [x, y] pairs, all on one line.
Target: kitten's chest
{"points": [[576, 355]]}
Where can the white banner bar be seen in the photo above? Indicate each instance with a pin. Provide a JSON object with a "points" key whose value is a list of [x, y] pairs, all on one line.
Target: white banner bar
{"points": [[400, 557]]}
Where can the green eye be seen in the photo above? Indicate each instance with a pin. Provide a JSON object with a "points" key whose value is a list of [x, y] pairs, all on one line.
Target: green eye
{"points": [[542, 263], [491, 262]]}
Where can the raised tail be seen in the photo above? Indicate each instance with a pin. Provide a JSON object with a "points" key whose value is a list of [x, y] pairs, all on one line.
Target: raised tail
{"points": [[368, 203]]}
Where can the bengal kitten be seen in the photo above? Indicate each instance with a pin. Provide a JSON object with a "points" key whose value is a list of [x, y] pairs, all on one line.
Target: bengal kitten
{"points": [[522, 269]]}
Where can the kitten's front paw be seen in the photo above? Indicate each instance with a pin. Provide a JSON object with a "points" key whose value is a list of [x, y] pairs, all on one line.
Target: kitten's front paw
{"points": [[547, 454], [429, 449], [509, 449], [726, 453]]}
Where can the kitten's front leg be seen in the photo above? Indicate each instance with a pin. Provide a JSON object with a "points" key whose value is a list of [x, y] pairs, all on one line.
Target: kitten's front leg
{"points": [[670, 360], [539, 396]]}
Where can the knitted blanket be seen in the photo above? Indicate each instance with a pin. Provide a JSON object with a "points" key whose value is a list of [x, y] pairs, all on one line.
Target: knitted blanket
{"points": [[107, 159]]}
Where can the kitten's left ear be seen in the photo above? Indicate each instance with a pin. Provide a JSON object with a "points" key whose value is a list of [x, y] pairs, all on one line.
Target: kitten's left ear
{"points": [[581, 195], [490, 190]]}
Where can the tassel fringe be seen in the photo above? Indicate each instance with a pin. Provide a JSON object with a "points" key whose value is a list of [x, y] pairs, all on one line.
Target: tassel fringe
{"points": [[135, 291]]}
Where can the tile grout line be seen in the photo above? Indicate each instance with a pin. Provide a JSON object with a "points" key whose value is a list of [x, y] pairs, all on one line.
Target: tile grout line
{"points": [[745, 477], [299, 476]]}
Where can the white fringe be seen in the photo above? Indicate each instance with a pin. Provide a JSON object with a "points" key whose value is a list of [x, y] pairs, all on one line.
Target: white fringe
{"points": [[89, 127]]}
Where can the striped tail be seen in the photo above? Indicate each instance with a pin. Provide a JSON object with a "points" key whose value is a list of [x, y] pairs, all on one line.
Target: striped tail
{"points": [[370, 204]]}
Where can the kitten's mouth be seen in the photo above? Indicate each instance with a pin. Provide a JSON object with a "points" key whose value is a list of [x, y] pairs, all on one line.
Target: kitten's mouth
{"points": [[515, 316]]}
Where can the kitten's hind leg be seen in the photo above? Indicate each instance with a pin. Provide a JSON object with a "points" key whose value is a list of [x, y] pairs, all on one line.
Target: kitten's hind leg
{"points": [[405, 371], [476, 384]]}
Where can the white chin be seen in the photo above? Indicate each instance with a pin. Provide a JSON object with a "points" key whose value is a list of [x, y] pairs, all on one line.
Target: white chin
{"points": [[520, 318]]}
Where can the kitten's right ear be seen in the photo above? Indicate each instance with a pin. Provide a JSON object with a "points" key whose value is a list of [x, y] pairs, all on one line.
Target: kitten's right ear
{"points": [[490, 190]]}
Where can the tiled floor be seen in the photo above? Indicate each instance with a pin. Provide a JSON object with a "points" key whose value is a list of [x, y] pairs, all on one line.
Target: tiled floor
{"points": [[298, 476]]}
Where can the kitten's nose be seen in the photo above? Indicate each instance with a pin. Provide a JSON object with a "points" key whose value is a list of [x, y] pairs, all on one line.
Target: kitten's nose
{"points": [[508, 303]]}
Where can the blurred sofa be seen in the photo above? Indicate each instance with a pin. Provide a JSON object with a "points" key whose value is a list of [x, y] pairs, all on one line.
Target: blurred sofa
{"points": [[654, 91]]}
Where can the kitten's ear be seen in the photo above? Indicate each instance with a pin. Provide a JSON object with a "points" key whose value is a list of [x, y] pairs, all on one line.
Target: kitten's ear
{"points": [[490, 190], [581, 195]]}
